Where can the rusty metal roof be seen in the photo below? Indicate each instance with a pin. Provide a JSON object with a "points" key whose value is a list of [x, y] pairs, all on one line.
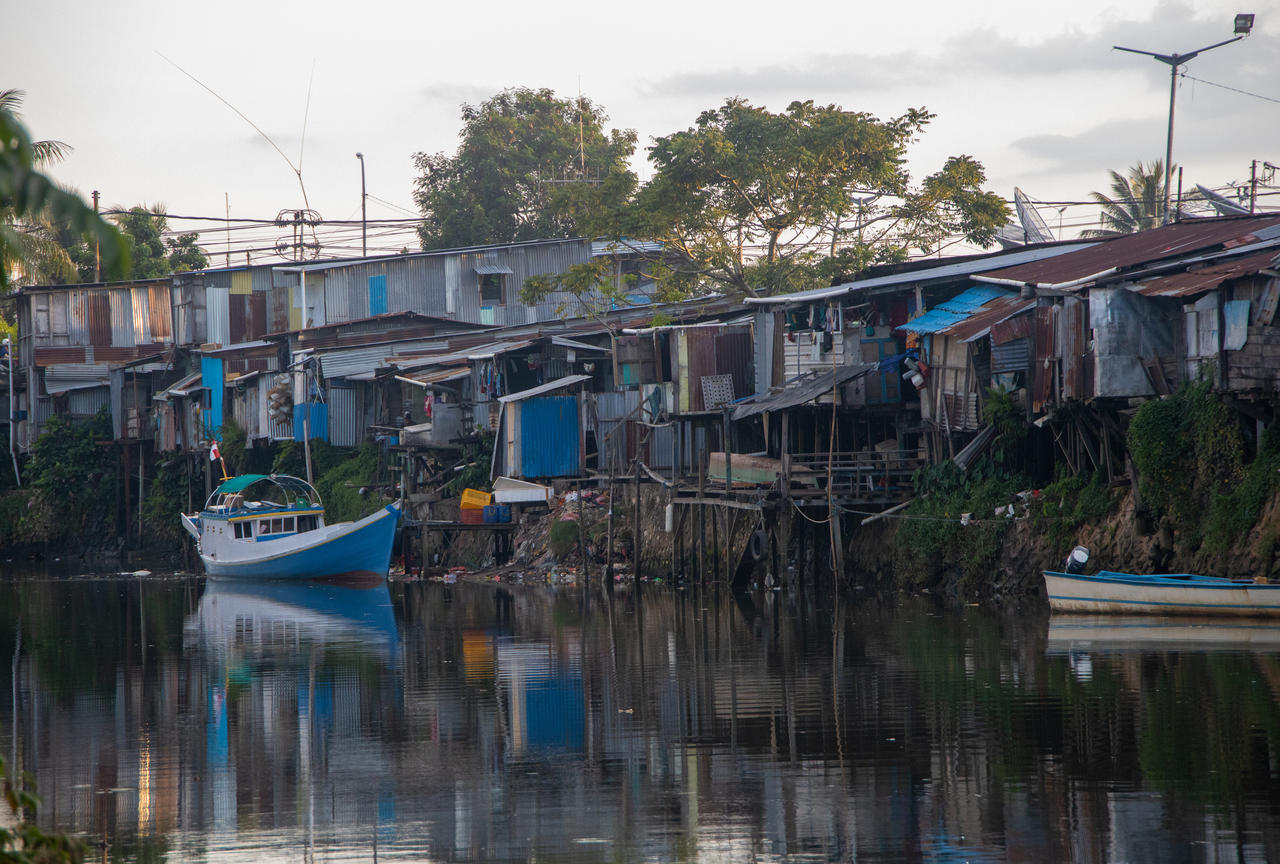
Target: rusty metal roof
{"points": [[979, 324], [1191, 282], [1181, 238]]}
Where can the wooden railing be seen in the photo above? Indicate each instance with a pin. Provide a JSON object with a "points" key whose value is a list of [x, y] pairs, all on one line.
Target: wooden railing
{"points": [[864, 472]]}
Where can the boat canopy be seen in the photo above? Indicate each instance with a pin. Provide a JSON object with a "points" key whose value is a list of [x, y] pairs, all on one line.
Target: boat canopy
{"points": [[294, 488]]}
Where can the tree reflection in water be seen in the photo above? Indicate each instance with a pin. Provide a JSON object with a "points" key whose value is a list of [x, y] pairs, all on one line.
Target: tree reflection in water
{"points": [[191, 722]]}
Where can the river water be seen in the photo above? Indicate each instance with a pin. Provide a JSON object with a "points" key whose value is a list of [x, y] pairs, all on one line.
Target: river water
{"points": [[173, 719]]}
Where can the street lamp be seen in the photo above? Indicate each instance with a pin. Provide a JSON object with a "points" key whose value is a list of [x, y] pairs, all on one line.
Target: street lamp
{"points": [[364, 221], [1243, 24]]}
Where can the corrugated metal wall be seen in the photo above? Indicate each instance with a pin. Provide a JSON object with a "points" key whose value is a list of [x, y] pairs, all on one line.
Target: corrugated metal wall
{"points": [[89, 401], [217, 300], [345, 427], [549, 436]]}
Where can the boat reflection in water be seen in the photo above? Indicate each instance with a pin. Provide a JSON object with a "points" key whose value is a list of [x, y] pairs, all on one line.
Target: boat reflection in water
{"points": [[1133, 633], [287, 669]]}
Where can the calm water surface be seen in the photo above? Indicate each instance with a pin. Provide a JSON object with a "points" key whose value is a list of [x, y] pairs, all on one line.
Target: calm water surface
{"points": [[179, 720]]}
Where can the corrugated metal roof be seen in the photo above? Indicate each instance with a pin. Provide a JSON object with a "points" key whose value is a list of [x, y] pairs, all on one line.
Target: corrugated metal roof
{"points": [[1181, 238], [435, 375], [979, 324], [798, 391], [949, 313], [1192, 282], [549, 387], [487, 268], [61, 377], [624, 247], [943, 272]]}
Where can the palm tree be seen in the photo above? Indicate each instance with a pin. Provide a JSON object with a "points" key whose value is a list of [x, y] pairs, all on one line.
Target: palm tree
{"points": [[1136, 202], [32, 207]]}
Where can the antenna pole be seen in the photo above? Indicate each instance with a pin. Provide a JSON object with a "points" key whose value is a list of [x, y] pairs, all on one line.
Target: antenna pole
{"points": [[227, 197], [97, 258]]}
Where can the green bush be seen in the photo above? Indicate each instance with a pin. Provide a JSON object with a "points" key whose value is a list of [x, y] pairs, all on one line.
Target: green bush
{"points": [[564, 538], [75, 469]]}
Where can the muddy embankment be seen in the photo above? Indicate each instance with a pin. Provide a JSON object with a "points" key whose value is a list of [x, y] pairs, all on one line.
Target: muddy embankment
{"points": [[1124, 541]]}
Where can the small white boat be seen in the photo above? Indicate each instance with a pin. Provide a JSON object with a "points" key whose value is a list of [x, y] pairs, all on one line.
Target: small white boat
{"points": [[1111, 592], [271, 526]]}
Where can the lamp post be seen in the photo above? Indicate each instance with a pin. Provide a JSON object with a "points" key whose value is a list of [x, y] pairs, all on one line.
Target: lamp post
{"points": [[13, 453], [364, 220], [1243, 24]]}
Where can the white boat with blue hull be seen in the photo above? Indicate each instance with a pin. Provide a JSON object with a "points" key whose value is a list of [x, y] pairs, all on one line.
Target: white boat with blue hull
{"points": [[271, 526], [1110, 592]]}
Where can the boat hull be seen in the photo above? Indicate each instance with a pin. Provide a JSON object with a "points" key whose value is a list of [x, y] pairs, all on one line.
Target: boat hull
{"points": [[355, 550], [1109, 592]]}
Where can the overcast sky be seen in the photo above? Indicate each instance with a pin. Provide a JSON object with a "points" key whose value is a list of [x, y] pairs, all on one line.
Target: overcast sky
{"points": [[1032, 90]]}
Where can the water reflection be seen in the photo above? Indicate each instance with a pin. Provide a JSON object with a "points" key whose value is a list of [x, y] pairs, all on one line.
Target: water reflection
{"points": [[184, 722]]}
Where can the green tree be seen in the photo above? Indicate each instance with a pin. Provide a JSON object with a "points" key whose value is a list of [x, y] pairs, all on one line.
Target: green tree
{"points": [[153, 255], [34, 210], [520, 170], [1136, 202], [748, 201]]}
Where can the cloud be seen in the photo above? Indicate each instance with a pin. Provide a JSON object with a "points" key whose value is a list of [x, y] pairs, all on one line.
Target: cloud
{"points": [[982, 55]]}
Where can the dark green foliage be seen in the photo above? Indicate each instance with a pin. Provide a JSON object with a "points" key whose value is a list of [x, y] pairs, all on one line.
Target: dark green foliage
{"points": [[29, 196], [506, 183], [23, 842], [166, 499], [1188, 450], [75, 469], [1234, 511], [564, 538], [932, 536], [152, 255], [13, 512], [1072, 501], [343, 477], [475, 474]]}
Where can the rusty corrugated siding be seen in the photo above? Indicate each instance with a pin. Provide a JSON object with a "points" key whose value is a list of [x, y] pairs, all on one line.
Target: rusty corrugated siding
{"points": [[99, 319], [1074, 339], [1193, 282], [1046, 356], [160, 320], [1180, 238]]}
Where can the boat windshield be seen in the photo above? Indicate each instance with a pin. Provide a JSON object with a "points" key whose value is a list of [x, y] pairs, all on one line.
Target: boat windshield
{"points": [[264, 490]]}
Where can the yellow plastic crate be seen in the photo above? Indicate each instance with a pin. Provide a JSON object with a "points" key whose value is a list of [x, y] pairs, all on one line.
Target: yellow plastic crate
{"points": [[475, 498]]}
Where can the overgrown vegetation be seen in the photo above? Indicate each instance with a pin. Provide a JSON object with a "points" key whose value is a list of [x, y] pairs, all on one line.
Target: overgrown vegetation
{"points": [[1189, 452], [74, 475], [933, 535]]}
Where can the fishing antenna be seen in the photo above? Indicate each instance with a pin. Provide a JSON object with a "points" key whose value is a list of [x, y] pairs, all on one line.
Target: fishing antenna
{"points": [[297, 169]]}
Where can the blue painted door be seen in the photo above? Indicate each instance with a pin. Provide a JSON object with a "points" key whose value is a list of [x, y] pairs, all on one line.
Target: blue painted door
{"points": [[549, 437], [377, 295]]}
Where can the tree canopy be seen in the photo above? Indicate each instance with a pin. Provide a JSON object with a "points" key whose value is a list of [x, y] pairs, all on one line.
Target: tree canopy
{"points": [[1136, 202], [748, 201], [153, 255], [35, 211], [527, 164]]}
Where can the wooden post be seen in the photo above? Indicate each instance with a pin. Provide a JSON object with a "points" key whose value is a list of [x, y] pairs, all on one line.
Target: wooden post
{"points": [[608, 552], [702, 515], [635, 538], [582, 547]]}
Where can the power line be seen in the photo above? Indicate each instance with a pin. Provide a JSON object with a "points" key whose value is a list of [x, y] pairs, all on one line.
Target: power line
{"points": [[1232, 89]]}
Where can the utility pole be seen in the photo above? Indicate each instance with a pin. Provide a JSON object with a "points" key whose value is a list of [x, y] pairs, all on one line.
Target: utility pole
{"points": [[1243, 24], [364, 219], [97, 258]]}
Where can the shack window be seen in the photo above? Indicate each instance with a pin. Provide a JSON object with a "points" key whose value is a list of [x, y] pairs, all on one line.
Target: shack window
{"points": [[493, 288]]}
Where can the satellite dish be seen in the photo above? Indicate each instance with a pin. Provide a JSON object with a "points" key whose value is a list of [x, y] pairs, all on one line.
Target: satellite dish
{"points": [[1225, 206], [1033, 225]]}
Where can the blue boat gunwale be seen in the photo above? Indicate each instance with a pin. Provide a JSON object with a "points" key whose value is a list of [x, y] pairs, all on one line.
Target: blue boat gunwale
{"points": [[1166, 580]]}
